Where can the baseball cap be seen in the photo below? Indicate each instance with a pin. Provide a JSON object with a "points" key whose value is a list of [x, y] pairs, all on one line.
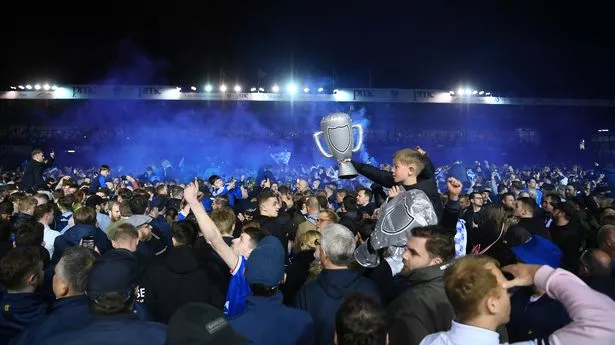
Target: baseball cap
{"points": [[114, 271], [266, 263], [138, 220], [201, 324], [538, 251]]}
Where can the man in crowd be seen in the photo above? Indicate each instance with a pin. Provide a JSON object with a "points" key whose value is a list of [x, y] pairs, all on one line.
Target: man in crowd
{"points": [[322, 297], [423, 308], [479, 293]]}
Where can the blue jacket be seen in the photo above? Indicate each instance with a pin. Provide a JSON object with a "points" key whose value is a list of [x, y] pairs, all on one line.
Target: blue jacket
{"points": [[322, 298], [65, 314], [267, 321], [232, 194], [122, 329], [19, 310], [73, 236]]}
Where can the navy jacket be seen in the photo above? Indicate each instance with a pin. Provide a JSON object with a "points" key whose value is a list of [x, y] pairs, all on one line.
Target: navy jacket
{"points": [[124, 329], [73, 236], [538, 319], [267, 321], [322, 298], [19, 310], [65, 314]]}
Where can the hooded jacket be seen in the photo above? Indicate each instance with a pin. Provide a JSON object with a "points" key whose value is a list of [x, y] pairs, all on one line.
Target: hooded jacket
{"points": [[179, 280], [322, 298], [19, 310], [65, 313], [422, 309], [72, 237]]}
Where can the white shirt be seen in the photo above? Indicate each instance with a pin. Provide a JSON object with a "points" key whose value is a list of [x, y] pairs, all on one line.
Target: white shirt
{"points": [[49, 237], [461, 334]]}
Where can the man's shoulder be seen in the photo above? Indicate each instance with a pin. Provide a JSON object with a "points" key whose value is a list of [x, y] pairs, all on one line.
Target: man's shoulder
{"points": [[440, 338]]}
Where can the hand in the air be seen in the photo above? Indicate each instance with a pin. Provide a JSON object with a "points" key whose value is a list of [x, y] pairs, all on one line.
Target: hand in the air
{"points": [[454, 186]]}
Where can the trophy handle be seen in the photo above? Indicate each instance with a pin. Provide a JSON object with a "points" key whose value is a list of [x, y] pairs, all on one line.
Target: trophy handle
{"points": [[319, 145], [360, 141]]}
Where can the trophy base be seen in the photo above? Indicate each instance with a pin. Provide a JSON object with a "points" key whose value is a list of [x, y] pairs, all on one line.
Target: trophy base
{"points": [[347, 171]]}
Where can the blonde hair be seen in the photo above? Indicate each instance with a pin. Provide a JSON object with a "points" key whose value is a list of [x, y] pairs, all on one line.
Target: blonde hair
{"points": [[410, 157], [224, 218], [308, 240], [468, 282]]}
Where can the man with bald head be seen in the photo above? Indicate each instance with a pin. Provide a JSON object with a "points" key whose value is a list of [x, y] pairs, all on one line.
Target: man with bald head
{"points": [[595, 269], [302, 187]]}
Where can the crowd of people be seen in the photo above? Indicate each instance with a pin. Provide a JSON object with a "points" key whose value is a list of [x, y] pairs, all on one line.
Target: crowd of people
{"points": [[511, 255]]}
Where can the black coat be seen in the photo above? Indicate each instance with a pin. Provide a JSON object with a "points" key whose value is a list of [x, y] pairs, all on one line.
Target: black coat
{"points": [[33, 175], [296, 275], [422, 309], [280, 227], [181, 279]]}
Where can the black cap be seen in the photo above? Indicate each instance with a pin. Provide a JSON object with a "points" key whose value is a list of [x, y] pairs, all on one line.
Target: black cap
{"points": [[201, 324], [94, 201], [114, 271]]}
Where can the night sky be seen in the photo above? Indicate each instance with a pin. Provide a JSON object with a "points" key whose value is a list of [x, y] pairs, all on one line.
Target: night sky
{"points": [[520, 48]]}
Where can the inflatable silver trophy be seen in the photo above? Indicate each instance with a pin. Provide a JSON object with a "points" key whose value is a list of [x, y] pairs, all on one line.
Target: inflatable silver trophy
{"points": [[398, 216], [337, 129]]}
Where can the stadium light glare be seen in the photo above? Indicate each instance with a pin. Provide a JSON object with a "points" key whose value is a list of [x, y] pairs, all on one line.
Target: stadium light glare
{"points": [[260, 89], [306, 89], [208, 88], [252, 89], [223, 88], [320, 89], [37, 87], [21, 87], [275, 88], [29, 87], [237, 88], [54, 87], [46, 87], [193, 88], [292, 88]]}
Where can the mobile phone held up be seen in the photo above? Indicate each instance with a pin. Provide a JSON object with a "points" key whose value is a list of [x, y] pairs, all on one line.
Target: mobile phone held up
{"points": [[88, 242]]}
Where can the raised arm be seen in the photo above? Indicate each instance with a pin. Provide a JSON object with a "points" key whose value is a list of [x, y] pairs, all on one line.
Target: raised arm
{"points": [[208, 228], [592, 313]]}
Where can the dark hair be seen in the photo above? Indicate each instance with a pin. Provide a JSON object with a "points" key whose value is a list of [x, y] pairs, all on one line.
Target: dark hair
{"points": [[366, 228], [6, 207], [104, 167], [185, 232], [76, 264], [29, 234], [41, 210], [256, 234], [529, 204], [265, 195], [350, 203], [112, 303], [125, 194], [507, 194], [440, 241], [366, 191], [360, 320], [17, 265], [138, 204], [263, 291]]}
